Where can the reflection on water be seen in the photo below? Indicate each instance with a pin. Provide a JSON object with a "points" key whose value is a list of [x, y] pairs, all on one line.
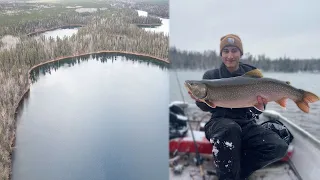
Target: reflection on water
{"points": [[96, 117], [102, 57]]}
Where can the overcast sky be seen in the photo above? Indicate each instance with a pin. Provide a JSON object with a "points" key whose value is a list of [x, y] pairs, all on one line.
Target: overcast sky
{"points": [[275, 28]]}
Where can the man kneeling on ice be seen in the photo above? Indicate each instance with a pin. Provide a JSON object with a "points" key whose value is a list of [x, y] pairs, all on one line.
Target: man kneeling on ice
{"points": [[240, 145]]}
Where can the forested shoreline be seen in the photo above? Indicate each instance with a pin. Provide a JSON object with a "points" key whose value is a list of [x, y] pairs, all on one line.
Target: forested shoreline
{"points": [[112, 30], [160, 9], [102, 56], [188, 60]]}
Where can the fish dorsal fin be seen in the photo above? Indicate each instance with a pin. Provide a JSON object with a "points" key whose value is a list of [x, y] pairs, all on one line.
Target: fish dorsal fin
{"points": [[256, 73]]}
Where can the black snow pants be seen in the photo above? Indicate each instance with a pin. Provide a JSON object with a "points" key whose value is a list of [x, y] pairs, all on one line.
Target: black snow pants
{"points": [[241, 147]]}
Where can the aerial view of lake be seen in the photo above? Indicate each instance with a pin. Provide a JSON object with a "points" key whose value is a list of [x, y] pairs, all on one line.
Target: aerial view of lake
{"points": [[94, 117]]}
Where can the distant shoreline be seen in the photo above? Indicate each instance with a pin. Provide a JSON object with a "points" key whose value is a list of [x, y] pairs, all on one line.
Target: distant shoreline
{"points": [[148, 25], [27, 90]]}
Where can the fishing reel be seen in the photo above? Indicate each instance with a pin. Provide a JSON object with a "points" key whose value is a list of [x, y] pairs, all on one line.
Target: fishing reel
{"points": [[178, 126]]}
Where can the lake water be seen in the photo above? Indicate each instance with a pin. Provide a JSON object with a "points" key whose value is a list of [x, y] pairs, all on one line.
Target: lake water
{"points": [[61, 33], [163, 28], [100, 118], [105, 117], [307, 81]]}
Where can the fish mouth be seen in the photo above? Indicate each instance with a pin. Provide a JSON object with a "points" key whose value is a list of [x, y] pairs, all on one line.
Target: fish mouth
{"points": [[188, 85]]}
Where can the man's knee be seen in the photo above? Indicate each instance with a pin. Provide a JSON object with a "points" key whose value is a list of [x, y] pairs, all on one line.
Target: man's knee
{"points": [[222, 128], [280, 148], [275, 149], [225, 136]]}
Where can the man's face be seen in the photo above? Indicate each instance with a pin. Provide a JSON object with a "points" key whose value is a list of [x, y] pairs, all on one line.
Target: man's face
{"points": [[231, 56]]}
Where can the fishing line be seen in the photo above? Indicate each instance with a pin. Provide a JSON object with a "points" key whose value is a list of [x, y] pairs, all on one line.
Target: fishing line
{"points": [[181, 93], [199, 162]]}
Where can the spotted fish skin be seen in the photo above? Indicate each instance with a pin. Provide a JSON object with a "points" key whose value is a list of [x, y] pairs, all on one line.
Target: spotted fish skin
{"points": [[242, 91]]}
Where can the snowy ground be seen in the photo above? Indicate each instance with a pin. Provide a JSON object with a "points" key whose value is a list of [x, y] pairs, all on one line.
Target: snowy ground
{"points": [[8, 42]]}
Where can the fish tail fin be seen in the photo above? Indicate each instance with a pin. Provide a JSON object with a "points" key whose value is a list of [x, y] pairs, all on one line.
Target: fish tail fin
{"points": [[308, 97]]}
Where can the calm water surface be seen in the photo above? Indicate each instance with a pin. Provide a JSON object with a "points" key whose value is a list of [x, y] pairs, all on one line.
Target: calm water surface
{"points": [[95, 120], [164, 28], [307, 81], [61, 33]]}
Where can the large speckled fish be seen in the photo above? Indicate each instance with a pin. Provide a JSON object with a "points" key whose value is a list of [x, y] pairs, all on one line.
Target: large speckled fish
{"points": [[242, 91]]}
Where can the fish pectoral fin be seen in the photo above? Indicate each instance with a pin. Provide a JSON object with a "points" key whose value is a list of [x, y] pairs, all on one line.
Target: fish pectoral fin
{"points": [[256, 107], [282, 102], [256, 73], [209, 103]]}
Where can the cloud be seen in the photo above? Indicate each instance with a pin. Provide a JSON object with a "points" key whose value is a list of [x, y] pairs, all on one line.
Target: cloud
{"points": [[274, 28]]}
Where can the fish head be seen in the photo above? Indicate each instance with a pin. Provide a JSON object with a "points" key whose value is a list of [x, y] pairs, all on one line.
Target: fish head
{"points": [[197, 88]]}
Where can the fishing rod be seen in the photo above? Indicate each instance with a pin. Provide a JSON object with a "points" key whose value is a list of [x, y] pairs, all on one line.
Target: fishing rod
{"points": [[199, 160]]}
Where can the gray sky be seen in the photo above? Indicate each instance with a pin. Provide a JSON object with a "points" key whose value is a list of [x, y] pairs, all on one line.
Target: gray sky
{"points": [[274, 28]]}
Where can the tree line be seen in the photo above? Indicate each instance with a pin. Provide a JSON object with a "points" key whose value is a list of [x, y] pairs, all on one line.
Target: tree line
{"points": [[191, 60], [102, 57], [105, 34], [160, 9]]}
